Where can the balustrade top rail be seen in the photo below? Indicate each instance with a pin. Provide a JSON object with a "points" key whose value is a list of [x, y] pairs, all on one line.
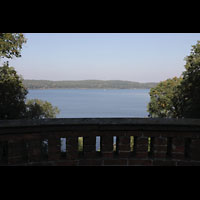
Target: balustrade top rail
{"points": [[100, 121]]}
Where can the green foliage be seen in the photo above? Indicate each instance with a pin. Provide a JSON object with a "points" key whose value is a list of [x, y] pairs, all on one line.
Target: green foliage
{"points": [[131, 143], [179, 98], [13, 103], [187, 97], [11, 44], [161, 99], [12, 94], [38, 109], [80, 144], [12, 91]]}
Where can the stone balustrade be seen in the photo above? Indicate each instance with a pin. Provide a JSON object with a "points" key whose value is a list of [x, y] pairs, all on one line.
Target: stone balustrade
{"points": [[120, 142]]}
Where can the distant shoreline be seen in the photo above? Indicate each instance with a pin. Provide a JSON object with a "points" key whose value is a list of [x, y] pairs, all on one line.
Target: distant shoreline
{"points": [[87, 84], [88, 88]]}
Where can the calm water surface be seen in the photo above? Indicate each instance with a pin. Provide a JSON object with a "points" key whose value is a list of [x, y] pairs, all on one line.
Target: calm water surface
{"points": [[84, 103]]}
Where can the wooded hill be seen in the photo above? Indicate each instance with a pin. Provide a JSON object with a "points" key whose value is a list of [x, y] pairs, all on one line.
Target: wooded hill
{"points": [[87, 84]]}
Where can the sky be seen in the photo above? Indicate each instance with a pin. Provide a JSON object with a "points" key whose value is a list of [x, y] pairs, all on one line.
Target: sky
{"points": [[141, 57]]}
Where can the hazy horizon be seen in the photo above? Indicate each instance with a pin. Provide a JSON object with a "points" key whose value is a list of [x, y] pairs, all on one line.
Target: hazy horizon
{"points": [[136, 57], [89, 80]]}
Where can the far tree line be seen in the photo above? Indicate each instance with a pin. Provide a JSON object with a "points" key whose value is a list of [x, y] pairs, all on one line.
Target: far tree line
{"points": [[87, 84], [178, 97]]}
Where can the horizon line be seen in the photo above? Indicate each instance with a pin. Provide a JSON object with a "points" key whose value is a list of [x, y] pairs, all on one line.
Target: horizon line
{"points": [[90, 80]]}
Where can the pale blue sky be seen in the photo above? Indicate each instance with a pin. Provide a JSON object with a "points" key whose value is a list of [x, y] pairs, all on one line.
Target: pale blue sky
{"points": [[142, 57]]}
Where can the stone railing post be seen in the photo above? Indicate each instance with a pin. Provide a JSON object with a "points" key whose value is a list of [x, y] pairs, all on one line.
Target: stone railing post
{"points": [[72, 148], [54, 152], [34, 149], [195, 149], [160, 147], [89, 146], [124, 146], [17, 152], [142, 147], [107, 146], [178, 145]]}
